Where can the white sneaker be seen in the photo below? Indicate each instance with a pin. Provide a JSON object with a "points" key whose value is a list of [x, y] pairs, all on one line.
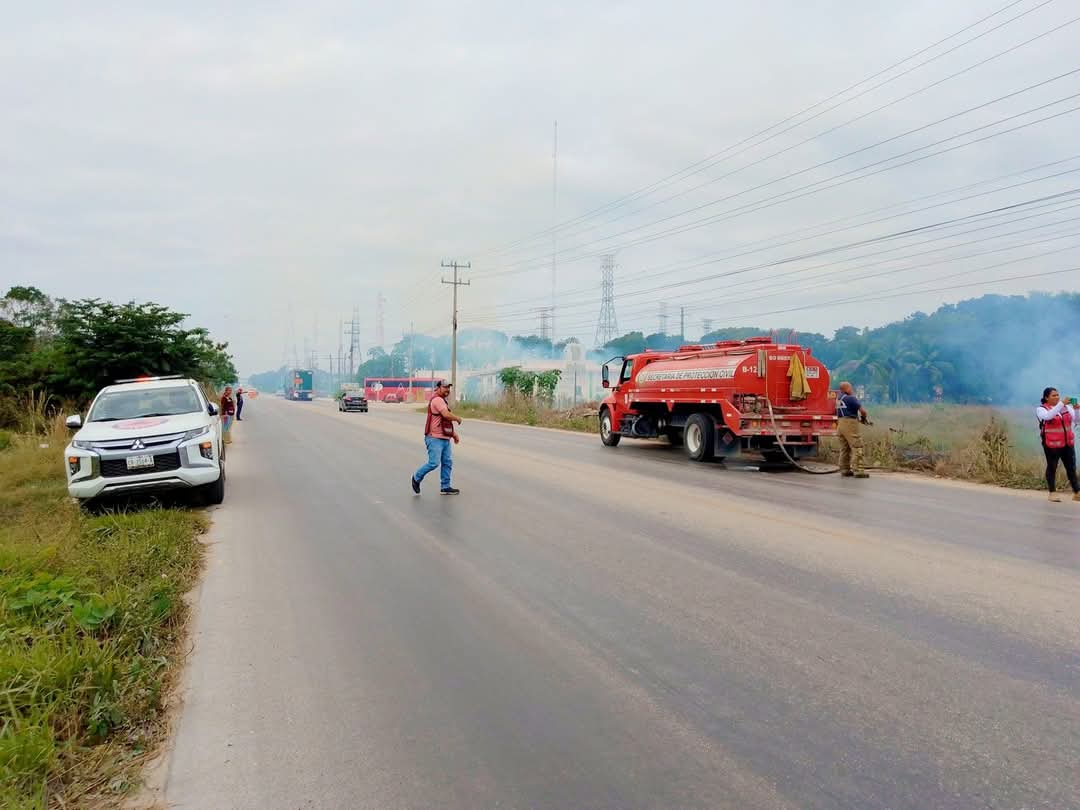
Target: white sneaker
{"points": [[1055, 498]]}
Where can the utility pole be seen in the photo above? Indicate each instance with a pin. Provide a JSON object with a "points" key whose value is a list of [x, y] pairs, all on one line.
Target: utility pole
{"points": [[456, 265], [682, 324], [663, 318], [554, 221], [354, 340], [412, 335]]}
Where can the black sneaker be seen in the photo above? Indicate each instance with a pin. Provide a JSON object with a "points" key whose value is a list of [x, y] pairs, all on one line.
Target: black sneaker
{"points": [[847, 473], [451, 491], [415, 486]]}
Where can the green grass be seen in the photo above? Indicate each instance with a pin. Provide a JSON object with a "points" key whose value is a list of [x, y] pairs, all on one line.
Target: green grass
{"points": [[91, 614]]}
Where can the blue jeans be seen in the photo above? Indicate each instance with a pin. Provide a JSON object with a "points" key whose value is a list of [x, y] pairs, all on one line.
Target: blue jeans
{"points": [[438, 453]]}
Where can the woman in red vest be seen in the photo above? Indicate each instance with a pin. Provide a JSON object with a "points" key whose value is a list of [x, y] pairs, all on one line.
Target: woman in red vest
{"points": [[1056, 417]]}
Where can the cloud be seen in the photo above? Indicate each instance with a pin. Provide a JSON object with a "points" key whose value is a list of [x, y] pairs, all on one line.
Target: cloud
{"points": [[266, 163]]}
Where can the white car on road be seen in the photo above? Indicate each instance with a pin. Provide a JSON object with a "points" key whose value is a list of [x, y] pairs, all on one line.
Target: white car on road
{"points": [[147, 435]]}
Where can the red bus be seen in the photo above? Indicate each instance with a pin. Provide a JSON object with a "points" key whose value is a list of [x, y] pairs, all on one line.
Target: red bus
{"points": [[397, 389]]}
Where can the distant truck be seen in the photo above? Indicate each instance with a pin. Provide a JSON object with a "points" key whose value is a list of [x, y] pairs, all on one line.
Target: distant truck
{"points": [[299, 385]]}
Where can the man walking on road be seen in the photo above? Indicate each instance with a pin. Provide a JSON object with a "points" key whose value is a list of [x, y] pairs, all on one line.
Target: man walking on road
{"points": [[850, 414], [438, 432]]}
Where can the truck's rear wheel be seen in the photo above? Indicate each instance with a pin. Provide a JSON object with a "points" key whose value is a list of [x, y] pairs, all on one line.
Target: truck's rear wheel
{"points": [[607, 431], [700, 437]]}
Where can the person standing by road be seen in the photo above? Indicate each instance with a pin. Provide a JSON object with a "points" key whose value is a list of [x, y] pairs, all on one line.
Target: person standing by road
{"points": [[239, 404], [438, 433], [1056, 417], [228, 410], [850, 417]]}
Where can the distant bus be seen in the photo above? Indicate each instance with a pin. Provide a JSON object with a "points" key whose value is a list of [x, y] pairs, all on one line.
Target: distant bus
{"points": [[396, 389]]}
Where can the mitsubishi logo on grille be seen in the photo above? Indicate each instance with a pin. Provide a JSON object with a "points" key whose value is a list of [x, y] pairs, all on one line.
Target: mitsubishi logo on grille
{"points": [[138, 445]]}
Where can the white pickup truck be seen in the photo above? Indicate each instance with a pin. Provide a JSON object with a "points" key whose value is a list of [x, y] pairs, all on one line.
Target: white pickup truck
{"points": [[147, 435]]}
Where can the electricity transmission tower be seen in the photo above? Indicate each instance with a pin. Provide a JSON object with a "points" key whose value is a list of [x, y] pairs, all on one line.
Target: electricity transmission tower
{"points": [[545, 323], [456, 265], [380, 329], [607, 327], [706, 326], [663, 317]]}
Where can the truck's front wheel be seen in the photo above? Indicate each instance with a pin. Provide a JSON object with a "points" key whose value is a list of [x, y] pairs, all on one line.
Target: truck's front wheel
{"points": [[607, 431], [700, 437]]}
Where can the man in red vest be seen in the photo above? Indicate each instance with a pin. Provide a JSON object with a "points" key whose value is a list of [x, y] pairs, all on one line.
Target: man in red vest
{"points": [[438, 433], [1056, 417]]}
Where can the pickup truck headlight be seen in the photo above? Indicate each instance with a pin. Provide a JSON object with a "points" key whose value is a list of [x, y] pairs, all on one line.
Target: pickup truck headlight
{"points": [[82, 444], [196, 433]]}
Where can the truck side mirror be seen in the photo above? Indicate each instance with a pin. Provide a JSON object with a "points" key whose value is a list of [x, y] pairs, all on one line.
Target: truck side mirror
{"points": [[73, 422], [211, 409], [604, 377]]}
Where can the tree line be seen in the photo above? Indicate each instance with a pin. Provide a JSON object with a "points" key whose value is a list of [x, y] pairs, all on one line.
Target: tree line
{"points": [[991, 350], [67, 350]]}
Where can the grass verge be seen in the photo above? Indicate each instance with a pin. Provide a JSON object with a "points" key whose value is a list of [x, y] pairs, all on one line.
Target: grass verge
{"points": [[582, 419], [985, 445], [997, 446], [91, 616]]}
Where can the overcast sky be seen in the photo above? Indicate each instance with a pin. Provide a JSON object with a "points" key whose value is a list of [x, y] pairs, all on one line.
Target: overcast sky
{"points": [[268, 167]]}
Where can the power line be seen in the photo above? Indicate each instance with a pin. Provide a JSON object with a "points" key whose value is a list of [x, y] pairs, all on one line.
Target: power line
{"points": [[808, 189], [859, 117], [850, 275], [770, 243], [667, 287], [679, 174]]}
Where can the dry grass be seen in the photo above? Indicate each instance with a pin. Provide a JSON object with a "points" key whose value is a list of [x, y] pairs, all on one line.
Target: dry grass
{"points": [[582, 419], [971, 443], [91, 612], [987, 445]]}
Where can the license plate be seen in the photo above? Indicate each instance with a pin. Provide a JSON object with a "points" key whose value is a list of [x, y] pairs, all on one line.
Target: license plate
{"points": [[139, 462]]}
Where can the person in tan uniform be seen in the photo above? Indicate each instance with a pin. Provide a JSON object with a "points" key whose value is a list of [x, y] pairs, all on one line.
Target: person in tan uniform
{"points": [[851, 416]]}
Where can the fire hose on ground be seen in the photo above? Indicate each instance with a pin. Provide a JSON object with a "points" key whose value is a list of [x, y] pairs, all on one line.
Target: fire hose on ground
{"points": [[788, 456]]}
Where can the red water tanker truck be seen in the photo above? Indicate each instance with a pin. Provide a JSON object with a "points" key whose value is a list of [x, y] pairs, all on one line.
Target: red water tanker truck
{"points": [[728, 399]]}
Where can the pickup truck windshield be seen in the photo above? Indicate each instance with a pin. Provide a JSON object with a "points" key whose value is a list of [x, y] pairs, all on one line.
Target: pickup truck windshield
{"points": [[135, 404]]}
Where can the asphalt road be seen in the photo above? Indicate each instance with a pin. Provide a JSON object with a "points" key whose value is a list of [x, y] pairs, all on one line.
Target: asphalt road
{"points": [[593, 628]]}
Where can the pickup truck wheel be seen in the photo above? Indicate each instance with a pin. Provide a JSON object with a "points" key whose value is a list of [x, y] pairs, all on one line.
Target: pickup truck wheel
{"points": [[214, 494], [700, 437], [607, 433]]}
